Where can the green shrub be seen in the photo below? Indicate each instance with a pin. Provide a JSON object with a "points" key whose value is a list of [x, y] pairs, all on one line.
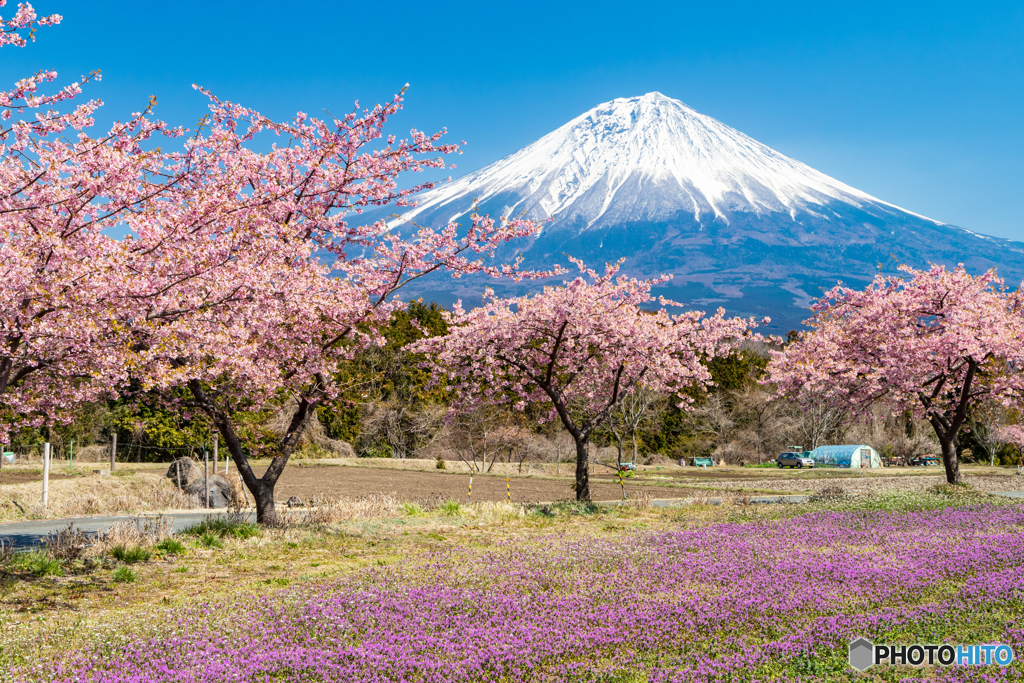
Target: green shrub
{"points": [[171, 546], [130, 555], [124, 575], [378, 449], [440, 464]]}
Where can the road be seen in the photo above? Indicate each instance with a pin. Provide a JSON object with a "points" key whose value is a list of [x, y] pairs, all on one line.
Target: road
{"points": [[27, 534]]}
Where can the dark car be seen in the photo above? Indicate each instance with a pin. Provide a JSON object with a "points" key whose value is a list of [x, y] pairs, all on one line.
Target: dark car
{"points": [[797, 460]]}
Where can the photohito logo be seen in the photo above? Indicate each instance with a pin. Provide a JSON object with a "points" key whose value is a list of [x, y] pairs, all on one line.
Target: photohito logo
{"points": [[864, 654]]}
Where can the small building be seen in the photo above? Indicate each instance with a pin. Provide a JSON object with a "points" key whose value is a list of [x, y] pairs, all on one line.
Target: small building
{"points": [[857, 456]]}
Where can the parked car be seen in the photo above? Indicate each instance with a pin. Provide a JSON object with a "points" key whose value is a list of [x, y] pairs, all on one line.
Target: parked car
{"points": [[797, 460]]}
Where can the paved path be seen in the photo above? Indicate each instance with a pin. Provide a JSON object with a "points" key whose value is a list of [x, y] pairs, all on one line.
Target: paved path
{"points": [[27, 534]]}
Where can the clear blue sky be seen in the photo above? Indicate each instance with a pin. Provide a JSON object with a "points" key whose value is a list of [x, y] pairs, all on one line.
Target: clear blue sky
{"points": [[918, 103]]}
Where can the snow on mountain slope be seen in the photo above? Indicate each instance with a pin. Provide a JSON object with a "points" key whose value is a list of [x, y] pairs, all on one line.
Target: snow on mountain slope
{"points": [[673, 191], [643, 158]]}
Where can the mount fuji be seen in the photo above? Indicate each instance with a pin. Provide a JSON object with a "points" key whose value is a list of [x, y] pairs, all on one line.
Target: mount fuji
{"points": [[671, 190]]}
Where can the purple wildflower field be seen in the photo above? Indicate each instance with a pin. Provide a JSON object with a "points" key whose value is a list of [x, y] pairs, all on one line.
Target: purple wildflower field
{"points": [[765, 601]]}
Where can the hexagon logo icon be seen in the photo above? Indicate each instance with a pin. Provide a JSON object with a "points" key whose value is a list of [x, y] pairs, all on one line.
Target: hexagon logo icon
{"points": [[862, 654]]}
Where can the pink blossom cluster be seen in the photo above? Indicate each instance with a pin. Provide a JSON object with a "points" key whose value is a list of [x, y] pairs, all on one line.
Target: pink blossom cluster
{"points": [[765, 601], [585, 344]]}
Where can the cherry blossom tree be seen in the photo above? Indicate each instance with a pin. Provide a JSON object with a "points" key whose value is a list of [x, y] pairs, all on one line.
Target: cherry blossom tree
{"points": [[934, 342], [256, 283], [60, 190], [242, 279], [1014, 435], [580, 348]]}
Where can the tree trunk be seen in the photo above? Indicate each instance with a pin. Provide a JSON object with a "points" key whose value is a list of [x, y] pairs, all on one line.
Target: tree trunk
{"points": [[582, 471], [262, 489], [950, 461], [263, 495]]}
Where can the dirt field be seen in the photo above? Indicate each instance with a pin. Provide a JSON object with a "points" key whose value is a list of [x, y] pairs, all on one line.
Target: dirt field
{"points": [[415, 486], [418, 481], [24, 477]]}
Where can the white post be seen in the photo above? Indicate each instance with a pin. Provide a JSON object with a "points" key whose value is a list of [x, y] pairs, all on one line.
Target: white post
{"points": [[46, 475], [227, 458], [206, 475]]}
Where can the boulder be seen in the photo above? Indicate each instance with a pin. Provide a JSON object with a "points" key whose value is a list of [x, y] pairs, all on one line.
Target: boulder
{"points": [[222, 493], [188, 470]]}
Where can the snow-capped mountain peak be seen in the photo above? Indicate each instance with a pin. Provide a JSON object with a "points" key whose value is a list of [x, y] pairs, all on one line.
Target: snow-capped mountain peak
{"points": [[672, 190], [643, 158]]}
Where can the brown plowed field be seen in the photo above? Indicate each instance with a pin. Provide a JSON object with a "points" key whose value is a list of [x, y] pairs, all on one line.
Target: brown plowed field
{"points": [[417, 486]]}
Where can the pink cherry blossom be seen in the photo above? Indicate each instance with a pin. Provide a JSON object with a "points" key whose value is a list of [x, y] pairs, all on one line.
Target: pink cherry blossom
{"points": [[934, 342]]}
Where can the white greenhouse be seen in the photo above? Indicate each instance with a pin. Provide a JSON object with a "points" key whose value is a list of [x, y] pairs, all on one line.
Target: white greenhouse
{"points": [[853, 456]]}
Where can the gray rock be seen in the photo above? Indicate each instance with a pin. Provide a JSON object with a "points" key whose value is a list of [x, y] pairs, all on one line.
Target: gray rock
{"points": [[188, 470], [222, 493]]}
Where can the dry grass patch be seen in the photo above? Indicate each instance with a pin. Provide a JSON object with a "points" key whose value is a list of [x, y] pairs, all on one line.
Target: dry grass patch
{"points": [[91, 495]]}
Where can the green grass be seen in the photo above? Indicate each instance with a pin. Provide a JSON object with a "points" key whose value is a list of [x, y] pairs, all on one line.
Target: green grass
{"points": [[576, 508], [171, 546], [45, 565], [411, 510], [276, 582], [450, 507], [38, 563], [224, 527], [130, 554], [211, 540], [124, 575]]}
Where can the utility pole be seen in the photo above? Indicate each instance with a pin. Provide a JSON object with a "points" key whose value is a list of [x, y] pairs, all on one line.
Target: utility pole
{"points": [[113, 452]]}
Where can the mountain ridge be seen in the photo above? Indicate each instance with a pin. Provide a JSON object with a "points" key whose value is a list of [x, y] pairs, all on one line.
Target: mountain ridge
{"points": [[674, 191]]}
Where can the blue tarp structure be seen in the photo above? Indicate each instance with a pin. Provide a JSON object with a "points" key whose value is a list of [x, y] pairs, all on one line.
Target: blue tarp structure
{"points": [[854, 456]]}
